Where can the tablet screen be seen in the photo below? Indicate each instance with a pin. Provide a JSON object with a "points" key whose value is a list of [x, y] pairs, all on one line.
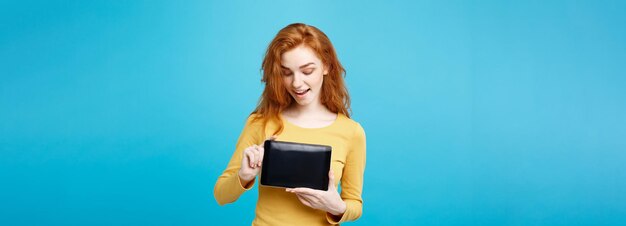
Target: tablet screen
{"points": [[291, 165]]}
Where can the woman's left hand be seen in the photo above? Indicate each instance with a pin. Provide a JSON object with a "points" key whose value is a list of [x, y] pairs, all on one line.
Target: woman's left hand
{"points": [[329, 200]]}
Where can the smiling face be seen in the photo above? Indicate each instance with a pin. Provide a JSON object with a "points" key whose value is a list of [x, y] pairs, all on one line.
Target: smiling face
{"points": [[303, 75]]}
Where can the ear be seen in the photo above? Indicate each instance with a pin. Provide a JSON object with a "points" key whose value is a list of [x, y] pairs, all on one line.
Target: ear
{"points": [[325, 69]]}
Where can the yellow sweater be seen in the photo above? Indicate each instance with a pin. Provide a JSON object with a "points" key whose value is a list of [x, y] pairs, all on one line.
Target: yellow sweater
{"points": [[275, 206]]}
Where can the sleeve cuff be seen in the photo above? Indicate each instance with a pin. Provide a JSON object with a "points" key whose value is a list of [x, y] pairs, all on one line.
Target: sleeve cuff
{"points": [[332, 219], [244, 188], [353, 212]]}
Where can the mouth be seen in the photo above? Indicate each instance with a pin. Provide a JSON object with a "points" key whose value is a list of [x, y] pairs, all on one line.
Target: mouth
{"points": [[301, 94]]}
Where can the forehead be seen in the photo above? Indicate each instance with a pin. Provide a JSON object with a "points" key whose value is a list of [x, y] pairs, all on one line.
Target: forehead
{"points": [[299, 56]]}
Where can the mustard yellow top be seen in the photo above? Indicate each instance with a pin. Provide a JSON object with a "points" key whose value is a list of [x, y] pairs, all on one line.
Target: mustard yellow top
{"points": [[275, 206]]}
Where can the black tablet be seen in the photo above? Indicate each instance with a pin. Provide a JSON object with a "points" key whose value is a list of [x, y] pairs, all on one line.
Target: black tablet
{"points": [[291, 165]]}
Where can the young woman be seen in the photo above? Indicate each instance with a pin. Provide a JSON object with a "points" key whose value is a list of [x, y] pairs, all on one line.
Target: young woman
{"points": [[305, 100]]}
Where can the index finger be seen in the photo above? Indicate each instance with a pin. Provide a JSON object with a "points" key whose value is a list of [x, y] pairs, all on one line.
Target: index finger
{"points": [[306, 191]]}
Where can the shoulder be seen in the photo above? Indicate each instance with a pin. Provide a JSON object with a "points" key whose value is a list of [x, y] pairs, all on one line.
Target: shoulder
{"points": [[253, 130], [252, 117], [355, 127], [254, 120]]}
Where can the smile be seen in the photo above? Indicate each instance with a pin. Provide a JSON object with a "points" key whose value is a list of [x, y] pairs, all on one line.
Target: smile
{"points": [[302, 93]]}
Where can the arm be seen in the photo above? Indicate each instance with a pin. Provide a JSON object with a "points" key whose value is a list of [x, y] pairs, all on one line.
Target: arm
{"points": [[352, 180], [229, 186]]}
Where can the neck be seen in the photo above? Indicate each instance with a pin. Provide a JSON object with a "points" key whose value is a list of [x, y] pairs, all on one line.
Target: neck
{"points": [[314, 108]]}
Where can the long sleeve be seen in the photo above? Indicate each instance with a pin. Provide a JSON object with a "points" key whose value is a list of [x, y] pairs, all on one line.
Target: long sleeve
{"points": [[228, 187], [352, 179]]}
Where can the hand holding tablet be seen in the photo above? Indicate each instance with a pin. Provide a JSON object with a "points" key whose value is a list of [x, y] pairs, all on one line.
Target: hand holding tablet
{"points": [[251, 163]]}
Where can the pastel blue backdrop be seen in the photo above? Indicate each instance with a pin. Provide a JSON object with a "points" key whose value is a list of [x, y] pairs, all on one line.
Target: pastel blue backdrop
{"points": [[476, 112]]}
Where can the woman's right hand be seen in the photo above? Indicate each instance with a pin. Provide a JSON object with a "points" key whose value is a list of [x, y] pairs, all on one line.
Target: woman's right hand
{"points": [[251, 162]]}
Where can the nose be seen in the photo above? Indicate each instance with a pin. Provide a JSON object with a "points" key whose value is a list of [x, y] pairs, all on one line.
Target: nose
{"points": [[297, 81]]}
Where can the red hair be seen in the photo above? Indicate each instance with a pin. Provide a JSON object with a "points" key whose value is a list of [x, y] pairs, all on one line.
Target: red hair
{"points": [[275, 97]]}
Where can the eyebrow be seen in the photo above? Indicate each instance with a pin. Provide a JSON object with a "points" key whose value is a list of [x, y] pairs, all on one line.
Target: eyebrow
{"points": [[303, 66]]}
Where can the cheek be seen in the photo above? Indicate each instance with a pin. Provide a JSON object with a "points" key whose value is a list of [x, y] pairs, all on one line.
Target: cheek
{"points": [[318, 80], [286, 81]]}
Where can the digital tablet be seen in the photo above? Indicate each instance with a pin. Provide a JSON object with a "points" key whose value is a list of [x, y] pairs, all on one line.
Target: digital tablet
{"points": [[291, 165]]}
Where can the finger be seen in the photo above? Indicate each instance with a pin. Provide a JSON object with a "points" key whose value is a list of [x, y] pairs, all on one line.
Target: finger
{"points": [[304, 201], [248, 154], [261, 154], [308, 198], [311, 198], [245, 150], [256, 156], [306, 191], [331, 179]]}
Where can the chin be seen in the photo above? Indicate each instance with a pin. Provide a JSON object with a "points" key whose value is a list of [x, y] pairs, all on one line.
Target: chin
{"points": [[303, 102]]}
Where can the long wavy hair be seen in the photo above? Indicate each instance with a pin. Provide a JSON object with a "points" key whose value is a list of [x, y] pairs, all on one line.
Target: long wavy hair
{"points": [[276, 98]]}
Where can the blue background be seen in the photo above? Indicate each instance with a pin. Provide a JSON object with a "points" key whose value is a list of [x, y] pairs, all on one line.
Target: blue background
{"points": [[476, 112]]}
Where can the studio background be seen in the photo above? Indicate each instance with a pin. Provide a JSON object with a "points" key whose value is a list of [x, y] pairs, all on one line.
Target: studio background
{"points": [[476, 112]]}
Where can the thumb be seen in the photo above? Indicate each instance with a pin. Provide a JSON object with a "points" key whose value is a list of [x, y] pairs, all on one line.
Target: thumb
{"points": [[331, 179]]}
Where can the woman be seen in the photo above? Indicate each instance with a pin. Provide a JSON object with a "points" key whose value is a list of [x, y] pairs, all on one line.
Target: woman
{"points": [[305, 100]]}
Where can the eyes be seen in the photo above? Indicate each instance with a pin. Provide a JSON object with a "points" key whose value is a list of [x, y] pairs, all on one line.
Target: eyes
{"points": [[306, 71]]}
